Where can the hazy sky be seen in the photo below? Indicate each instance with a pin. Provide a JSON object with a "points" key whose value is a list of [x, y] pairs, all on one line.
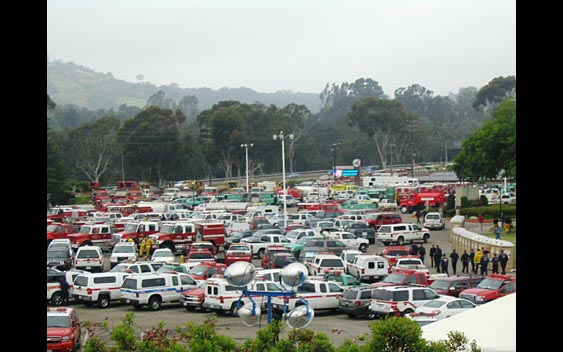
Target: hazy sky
{"points": [[298, 45]]}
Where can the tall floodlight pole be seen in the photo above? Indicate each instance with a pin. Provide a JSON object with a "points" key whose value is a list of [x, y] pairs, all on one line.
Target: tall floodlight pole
{"points": [[282, 138], [246, 147]]}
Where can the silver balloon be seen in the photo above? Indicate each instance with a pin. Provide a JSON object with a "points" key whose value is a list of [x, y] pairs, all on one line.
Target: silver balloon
{"points": [[240, 273], [291, 274], [298, 318], [246, 316]]}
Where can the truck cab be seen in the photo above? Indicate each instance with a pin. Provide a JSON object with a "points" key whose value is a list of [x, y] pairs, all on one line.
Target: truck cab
{"points": [[492, 287]]}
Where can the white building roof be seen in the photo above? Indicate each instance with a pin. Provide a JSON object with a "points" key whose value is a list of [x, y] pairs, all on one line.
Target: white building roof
{"points": [[491, 325]]}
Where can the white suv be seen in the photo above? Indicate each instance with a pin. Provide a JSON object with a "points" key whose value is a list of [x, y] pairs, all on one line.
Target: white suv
{"points": [[434, 221], [402, 233], [122, 251], [100, 288], [154, 289], [398, 300], [89, 258]]}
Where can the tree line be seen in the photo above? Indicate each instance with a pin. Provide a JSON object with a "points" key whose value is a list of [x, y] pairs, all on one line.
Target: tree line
{"points": [[168, 140]]}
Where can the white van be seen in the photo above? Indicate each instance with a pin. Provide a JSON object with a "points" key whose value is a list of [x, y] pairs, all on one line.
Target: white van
{"points": [[368, 267], [154, 289], [89, 258], [100, 288]]}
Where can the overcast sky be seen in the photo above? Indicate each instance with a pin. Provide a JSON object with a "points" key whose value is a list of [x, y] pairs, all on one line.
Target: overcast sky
{"points": [[298, 45]]}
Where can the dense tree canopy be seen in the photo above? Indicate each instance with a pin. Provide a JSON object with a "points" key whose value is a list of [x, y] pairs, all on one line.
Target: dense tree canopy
{"points": [[491, 150]]}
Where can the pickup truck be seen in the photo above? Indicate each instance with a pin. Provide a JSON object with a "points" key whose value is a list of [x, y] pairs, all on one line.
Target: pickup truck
{"points": [[321, 295], [402, 233], [411, 262], [59, 230], [492, 287], [92, 235], [344, 280], [407, 277], [264, 241], [350, 240]]}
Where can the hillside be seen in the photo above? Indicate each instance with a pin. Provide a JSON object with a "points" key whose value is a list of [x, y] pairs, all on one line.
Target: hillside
{"points": [[69, 83]]}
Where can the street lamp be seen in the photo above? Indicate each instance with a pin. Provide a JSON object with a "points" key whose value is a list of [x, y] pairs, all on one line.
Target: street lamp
{"points": [[333, 148], [246, 147], [282, 139]]}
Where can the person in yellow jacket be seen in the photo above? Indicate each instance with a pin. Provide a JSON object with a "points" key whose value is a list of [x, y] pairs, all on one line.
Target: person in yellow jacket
{"points": [[148, 246], [142, 248], [477, 259]]}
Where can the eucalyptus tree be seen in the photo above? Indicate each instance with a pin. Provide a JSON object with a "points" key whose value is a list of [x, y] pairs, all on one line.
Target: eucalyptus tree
{"points": [[385, 121]]}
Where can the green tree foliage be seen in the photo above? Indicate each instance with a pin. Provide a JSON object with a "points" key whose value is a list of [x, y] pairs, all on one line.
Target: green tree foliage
{"points": [[491, 149], [497, 90], [151, 143], [57, 191], [93, 146], [383, 120]]}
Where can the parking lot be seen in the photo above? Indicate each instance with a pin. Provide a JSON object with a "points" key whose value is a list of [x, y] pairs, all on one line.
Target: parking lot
{"points": [[336, 326]]}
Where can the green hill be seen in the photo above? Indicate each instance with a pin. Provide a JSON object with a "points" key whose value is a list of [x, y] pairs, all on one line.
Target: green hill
{"points": [[69, 83]]}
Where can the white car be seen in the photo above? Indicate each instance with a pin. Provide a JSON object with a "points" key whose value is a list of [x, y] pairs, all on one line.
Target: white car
{"points": [[440, 308], [162, 255], [123, 251]]}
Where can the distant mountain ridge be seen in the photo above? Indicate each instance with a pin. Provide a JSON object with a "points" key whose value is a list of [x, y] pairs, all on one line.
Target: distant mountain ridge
{"points": [[69, 83]]}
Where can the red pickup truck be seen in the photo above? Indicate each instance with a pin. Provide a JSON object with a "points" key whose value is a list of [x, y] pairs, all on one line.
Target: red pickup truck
{"points": [[405, 277], [58, 230], [492, 287]]}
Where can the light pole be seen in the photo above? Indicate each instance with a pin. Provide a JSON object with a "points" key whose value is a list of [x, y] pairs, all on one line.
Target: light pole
{"points": [[282, 138], [333, 148], [246, 147]]}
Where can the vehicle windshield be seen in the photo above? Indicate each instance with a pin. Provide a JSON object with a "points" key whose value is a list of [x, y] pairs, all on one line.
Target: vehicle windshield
{"points": [[394, 278], [162, 254], [58, 321], [434, 304], [57, 254], [440, 285], [130, 228], [52, 228], [433, 217], [167, 228], [124, 249], [409, 262], [87, 253], [58, 246], [331, 263], [234, 248], [198, 270], [490, 284]]}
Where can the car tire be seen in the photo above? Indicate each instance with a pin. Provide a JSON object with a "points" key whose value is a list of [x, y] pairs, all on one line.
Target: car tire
{"points": [[425, 238], [372, 316], [363, 248], [136, 306], [260, 253], [57, 299], [234, 310], [103, 301], [400, 241], [407, 311], [154, 303], [190, 308]]}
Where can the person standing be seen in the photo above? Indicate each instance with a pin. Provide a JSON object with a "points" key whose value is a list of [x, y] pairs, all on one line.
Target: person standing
{"points": [[438, 258], [417, 213], [477, 259], [444, 263], [464, 262], [484, 264], [432, 254], [472, 260], [495, 261], [454, 257], [503, 259], [481, 219], [64, 290], [497, 231], [421, 252]]}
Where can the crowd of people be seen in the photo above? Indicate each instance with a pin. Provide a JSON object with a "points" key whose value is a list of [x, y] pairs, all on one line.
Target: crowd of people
{"points": [[479, 259]]}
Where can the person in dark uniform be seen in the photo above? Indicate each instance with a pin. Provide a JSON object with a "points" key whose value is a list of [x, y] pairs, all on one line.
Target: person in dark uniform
{"points": [[438, 258], [503, 259], [484, 264], [444, 263], [417, 213], [454, 257], [64, 290], [421, 252], [495, 261], [472, 260], [432, 254], [414, 249], [464, 262]]}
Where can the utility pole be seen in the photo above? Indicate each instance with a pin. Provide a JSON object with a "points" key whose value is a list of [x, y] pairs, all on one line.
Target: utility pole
{"points": [[411, 127], [334, 147], [391, 146]]}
